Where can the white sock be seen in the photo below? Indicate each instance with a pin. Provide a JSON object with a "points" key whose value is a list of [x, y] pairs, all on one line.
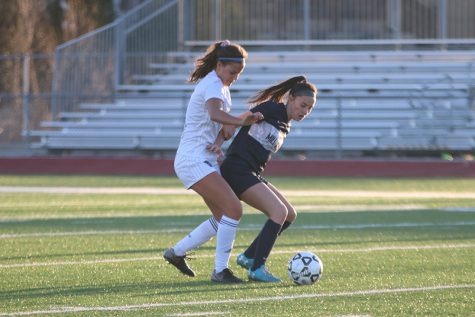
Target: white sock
{"points": [[200, 235], [224, 242]]}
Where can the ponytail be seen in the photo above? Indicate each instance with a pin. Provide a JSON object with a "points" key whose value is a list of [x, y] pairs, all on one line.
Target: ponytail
{"points": [[223, 51], [296, 86]]}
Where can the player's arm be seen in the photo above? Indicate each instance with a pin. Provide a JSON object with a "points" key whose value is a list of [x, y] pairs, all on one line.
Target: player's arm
{"points": [[245, 114], [220, 138], [214, 106], [226, 132], [216, 146]]}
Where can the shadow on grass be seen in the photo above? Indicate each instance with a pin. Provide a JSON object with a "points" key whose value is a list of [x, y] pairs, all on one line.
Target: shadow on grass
{"points": [[187, 288], [250, 221], [210, 247], [101, 223], [161, 222]]}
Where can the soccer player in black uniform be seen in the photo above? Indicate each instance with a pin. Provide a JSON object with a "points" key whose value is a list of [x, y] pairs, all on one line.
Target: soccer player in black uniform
{"points": [[247, 157]]}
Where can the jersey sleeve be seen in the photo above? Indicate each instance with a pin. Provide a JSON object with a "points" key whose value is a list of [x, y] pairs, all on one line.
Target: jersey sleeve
{"points": [[265, 108], [214, 90]]}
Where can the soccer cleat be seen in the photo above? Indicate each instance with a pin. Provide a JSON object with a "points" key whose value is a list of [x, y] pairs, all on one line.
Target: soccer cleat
{"points": [[225, 276], [178, 261], [261, 274], [244, 262]]}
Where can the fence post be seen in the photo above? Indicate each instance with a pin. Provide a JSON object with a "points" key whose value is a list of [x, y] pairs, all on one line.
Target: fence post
{"points": [[55, 83], [180, 26], [339, 136], [306, 19], [217, 20], [394, 16], [442, 27], [471, 87], [26, 97], [189, 21], [119, 53]]}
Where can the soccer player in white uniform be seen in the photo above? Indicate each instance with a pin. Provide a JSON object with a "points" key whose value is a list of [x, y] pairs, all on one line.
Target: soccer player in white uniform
{"points": [[197, 167]]}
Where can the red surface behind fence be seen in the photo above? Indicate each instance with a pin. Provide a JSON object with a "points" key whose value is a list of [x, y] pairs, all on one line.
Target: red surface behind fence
{"points": [[151, 167]]}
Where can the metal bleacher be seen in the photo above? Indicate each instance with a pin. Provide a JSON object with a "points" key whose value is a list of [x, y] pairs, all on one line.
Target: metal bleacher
{"points": [[367, 101]]}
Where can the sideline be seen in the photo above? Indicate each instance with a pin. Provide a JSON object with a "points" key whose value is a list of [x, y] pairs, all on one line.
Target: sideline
{"points": [[249, 227], [182, 191], [62, 310], [211, 255]]}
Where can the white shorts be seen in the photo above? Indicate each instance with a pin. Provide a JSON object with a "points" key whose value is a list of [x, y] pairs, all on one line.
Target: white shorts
{"points": [[191, 170]]}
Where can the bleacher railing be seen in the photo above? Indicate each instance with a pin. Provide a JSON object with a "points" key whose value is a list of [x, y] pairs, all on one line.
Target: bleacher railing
{"points": [[92, 67]]}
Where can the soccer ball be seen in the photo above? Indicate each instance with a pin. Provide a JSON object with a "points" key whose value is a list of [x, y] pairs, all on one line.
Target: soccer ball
{"points": [[305, 268]]}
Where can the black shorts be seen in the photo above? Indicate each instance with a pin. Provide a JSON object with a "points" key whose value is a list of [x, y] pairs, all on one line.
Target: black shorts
{"points": [[239, 175]]}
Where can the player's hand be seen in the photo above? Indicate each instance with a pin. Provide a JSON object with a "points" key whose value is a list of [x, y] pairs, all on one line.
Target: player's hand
{"points": [[216, 149], [228, 131], [252, 118]]}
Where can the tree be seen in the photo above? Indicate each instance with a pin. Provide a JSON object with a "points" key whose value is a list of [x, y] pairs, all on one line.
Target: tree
{"points": [[29, 27]]}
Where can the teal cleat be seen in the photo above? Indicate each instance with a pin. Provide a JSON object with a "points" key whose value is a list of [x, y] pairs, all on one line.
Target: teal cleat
{"points": [[244, 262], [262, 275]]}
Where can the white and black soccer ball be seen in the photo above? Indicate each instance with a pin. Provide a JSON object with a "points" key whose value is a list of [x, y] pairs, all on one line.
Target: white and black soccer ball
{"points": [[305, 268]]}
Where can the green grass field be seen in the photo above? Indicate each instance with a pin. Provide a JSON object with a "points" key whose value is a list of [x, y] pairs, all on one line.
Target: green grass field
{"points": [[390, 247]]}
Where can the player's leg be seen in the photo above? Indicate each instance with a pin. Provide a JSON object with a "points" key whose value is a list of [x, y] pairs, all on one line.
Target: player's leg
{"points": [[189, 171], [194, 174], [261, 197], [177, 255], [246, 259], [217, 193], [201, 234], [291, 212]]}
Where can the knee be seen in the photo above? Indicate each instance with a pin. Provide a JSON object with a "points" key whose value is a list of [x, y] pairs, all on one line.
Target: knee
{"points": [[291, 214], [234, 210], [280, 214]]}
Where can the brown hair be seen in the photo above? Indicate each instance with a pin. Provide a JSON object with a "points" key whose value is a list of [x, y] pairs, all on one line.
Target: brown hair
{"points": [[223, 51], [296, 86]]}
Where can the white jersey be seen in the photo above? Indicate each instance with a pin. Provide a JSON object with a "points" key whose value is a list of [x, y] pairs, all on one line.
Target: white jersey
{"points": [[200, 130]]}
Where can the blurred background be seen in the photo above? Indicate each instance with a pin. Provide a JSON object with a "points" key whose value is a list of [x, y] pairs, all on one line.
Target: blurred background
{"points": [[396, 78]]}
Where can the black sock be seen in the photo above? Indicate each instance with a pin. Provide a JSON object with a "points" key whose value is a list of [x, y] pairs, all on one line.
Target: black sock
{"points": [[265, 243], [284, 226], [250, 252]]}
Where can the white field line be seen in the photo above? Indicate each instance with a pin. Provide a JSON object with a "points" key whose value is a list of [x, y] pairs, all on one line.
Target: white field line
{"points": [[89, 218], [243, 228], [63, 310], [209, 255], [181, 191], [459, 209], [247, 211], [95, 190], [205, 313], [353, 316], [358, 208]]}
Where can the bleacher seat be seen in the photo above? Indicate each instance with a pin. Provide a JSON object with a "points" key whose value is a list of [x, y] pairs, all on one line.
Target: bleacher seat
{"points": [[367, 101]]}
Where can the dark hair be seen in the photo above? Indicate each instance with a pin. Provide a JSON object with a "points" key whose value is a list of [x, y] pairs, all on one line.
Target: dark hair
{"points": [[223, 51], [296, 86]]}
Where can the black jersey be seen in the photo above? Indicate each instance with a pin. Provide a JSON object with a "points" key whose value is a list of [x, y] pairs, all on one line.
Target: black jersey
{"points": [[256, 143]]}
